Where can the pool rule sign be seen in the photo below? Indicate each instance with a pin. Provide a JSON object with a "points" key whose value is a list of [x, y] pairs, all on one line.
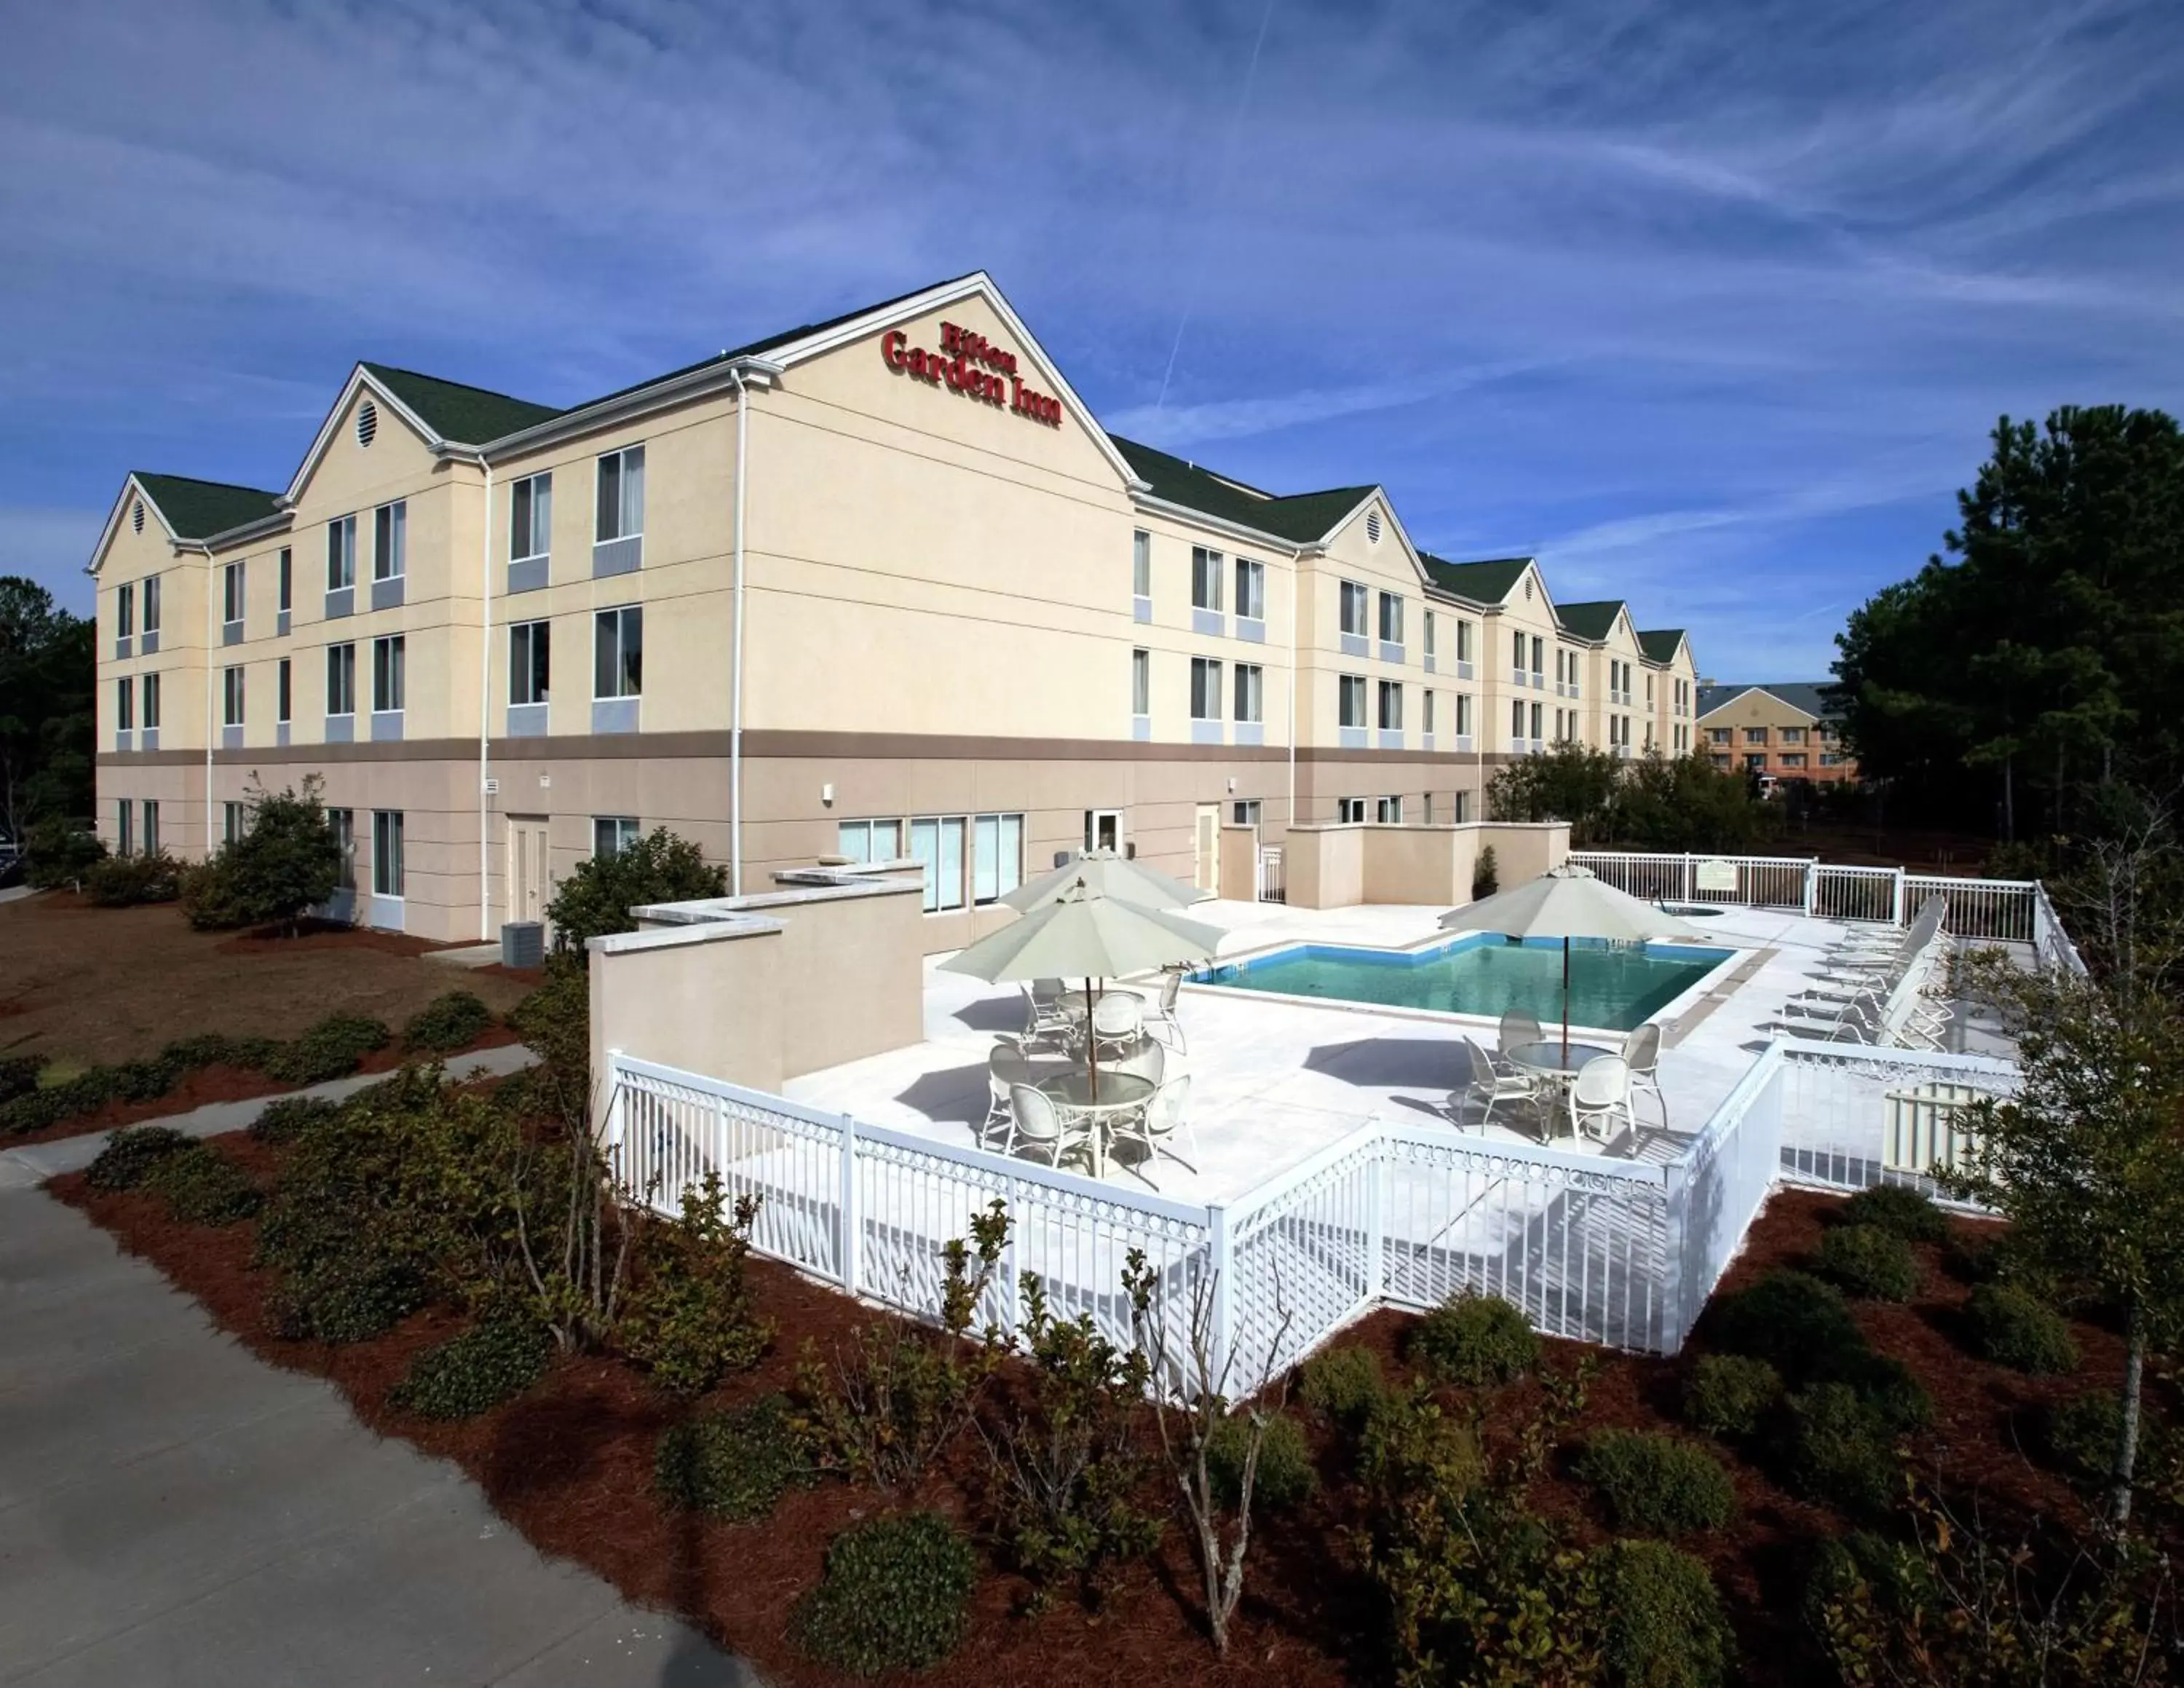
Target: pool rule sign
{"points": [[971, 364]]}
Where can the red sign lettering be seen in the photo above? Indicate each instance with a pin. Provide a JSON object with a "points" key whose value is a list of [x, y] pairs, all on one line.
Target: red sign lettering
{"points": [[971, 364]]}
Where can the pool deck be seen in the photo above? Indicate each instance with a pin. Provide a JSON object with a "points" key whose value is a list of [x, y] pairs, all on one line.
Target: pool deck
{"points": [[1274, 1080]]}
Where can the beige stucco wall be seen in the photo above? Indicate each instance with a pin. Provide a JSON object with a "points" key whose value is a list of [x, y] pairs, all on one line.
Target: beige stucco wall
{"points": [[703, 1001]]}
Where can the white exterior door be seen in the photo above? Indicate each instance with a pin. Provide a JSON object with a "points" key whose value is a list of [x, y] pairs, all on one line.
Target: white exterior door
{"points": [[529, 883], [1209, 847]]}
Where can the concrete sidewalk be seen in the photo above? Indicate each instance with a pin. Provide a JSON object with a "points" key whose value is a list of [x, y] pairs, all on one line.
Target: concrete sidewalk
{"points": [[174, 1512]]}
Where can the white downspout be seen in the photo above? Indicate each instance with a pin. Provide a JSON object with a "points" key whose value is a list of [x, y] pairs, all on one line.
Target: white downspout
{"points": [[485, 704], [736, 701], [1297, 568], [211, 646]]}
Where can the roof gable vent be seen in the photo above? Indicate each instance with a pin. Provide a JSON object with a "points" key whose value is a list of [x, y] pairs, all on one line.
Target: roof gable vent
{"points": [[367, 422], [1528, 588], [137, 517], [1372, 526]]}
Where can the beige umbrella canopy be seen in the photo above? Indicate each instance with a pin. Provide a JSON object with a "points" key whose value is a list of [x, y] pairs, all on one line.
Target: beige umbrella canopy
{"points": [[1568, 901], [1103, 873], [1083, 936]]}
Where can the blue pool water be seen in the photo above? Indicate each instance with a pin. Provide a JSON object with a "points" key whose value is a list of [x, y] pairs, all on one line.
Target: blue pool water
{"points": [[1615, 986]]}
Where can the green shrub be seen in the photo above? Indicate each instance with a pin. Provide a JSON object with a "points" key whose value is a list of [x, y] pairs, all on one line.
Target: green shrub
{"points": [[1731, 1394], [289, 1118], [131, 1153], [125, 881], [2082, 1433], [1793, 1322], [211, 899], [332, 1048], [285, 860], [2012, 1326], [1486, 875], [1841, 1449], [689, 1320], [60, 853], [1893, 1577], [494, 1361], [555, 1023], [1900, 1211], [1867, 1262], [1343, 1385], [1284, 1474], [19, 1075], [735, 1465], [1475, 1340], [596, 898], [349, 1296], [447, 1022], [1656, 1484], [1663, 1624], [895, 1597], [1886, 1384], [202, 1187]]}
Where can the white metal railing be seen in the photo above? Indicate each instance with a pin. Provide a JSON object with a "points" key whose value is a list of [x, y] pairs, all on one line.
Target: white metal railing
{"points": [[1618, 1252], [2049, 941], [1273, 886]]}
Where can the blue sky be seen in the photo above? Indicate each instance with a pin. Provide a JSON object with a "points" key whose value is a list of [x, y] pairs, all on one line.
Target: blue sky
{"points": [[1710, 307]]}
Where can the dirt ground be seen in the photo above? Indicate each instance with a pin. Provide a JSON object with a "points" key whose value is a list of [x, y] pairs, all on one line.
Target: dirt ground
{"points": [[80, 985]]}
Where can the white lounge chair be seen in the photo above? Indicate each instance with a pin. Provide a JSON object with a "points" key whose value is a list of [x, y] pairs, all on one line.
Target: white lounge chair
{"points": [[1601, 1097], [1641, 1050], [1493, 1082]]}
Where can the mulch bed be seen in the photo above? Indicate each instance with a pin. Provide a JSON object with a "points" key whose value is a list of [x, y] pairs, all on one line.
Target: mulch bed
{"points": [[569, 1465], [220, 1082]]}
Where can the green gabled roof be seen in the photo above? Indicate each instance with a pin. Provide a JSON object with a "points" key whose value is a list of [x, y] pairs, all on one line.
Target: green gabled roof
{"points": [[1815, 698], [1487, 582], [1660, 644], [1594, 620], [1301, 517], [468, 415], [197, 509]]}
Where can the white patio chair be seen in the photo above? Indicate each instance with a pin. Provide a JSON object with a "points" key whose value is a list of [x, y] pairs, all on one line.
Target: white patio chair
{"points": [[1163, 1021], [1148, 1060], [1043, 1012], [1642, 1051], [1117, 1021], [1011, 1062], [1157, 1123], [1045, 1128], [1518, 1029], [1601, 1097], [1494, 1082]]}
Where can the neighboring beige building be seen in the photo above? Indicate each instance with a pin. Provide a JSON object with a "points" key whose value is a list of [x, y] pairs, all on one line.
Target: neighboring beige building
{"points": [[1786, 729], [974, 628]]}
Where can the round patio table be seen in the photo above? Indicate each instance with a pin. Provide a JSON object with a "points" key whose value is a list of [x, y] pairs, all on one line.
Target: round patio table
{"points": [[1120, 1092], [1557, 1062]]}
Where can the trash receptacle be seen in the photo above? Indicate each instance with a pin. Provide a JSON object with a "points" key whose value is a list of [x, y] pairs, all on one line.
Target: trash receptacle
{"points": [[523, 943]]}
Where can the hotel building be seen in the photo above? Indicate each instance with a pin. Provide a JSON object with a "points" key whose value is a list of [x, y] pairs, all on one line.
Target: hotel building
{"points": [[1787, 729], [877, 587]]}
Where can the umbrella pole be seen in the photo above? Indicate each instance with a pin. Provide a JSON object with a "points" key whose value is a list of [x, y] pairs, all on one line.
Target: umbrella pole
{"points": [[1091, 1041], [1565, 999]]}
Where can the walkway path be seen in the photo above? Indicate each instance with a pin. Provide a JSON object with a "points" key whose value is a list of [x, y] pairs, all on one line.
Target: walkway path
{"points": [[173, 1511]]}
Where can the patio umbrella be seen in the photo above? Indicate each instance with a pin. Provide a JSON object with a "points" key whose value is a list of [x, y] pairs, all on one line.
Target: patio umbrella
{"points": [[1564, 903], [1102, 873], [1083, 935]]}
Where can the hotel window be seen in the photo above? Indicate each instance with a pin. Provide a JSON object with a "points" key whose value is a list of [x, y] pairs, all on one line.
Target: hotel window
{"points": [[1830, 759], [1251, 692], [1141, 684], [869, 841], [996, 856], [1350, 698], [1204, 578], [341, 679], [124, 704], [1349, 810], [1718, 735], [1755, 735], [621, 506], [1251, 589], [1649, 692], [390, 540], [1426, 716], [1389, 812], [230, 697], [618, 652], [287, 580], [1391, 619], [938, 846], [1463, 641], [1204, 689], [231, 823], [387, 878], [340, 554], [530, 653], [389, 666], [613, 833], [1793, 736], [125, 827], [1517, 655], [1141, 564], [150, 827], [125, 613], [1355, 600], [148, 715], [1391, 706], [1246, 812], [151, 603], [1795, 759], [1431, 651], [341, 823], [230, 592], [529, 516], [1538, 721], [1516, 722], [281, 690], [1756, 762], [1539, 658]]}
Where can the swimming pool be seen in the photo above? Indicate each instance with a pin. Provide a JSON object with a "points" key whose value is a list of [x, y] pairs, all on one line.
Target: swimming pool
{"points": [[1613, 986]]}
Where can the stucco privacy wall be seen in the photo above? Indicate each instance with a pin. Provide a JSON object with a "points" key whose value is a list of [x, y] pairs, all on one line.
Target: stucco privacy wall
{"points": [[761, 989], [1334, 867], [1239, 864]]}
